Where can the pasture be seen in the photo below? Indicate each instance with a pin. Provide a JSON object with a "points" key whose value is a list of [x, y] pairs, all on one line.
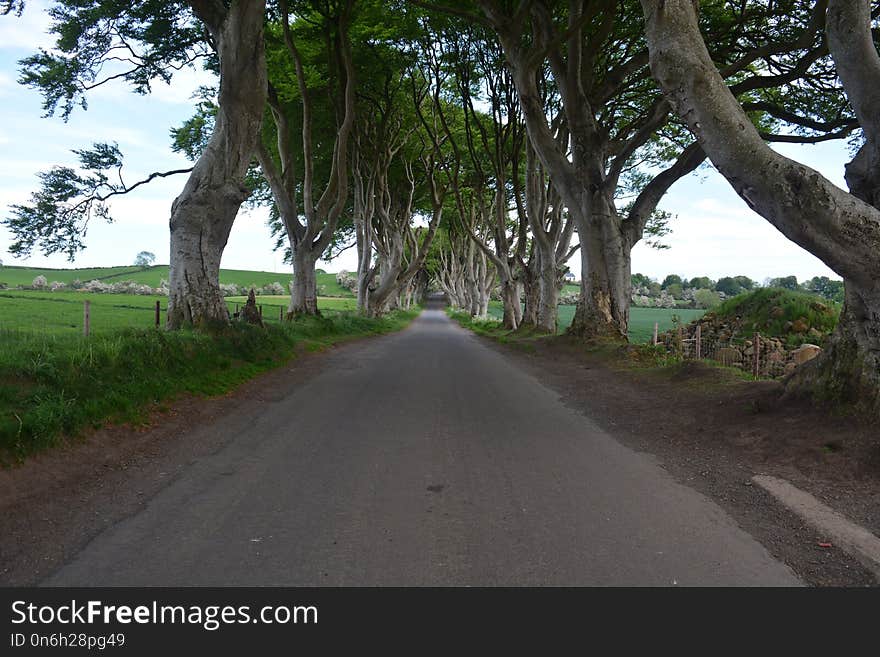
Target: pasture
{"points": [[23, 276], [62, 312], [641, 320]]}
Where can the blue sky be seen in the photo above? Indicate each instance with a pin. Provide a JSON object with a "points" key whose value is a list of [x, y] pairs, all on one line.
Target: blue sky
{"points": [[714, 232]]}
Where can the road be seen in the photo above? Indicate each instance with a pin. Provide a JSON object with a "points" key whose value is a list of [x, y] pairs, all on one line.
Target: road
{"points": [[423, 458]]}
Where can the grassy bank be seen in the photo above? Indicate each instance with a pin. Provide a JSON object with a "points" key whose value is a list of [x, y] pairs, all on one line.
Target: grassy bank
{"points": [[56, 385]]}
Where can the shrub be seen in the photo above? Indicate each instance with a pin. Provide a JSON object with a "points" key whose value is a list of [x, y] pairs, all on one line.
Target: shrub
{"points": [[39, 283], [275, 289], [96, 286], [346, 280], [706, 298], [228, 289], [56, 285]]}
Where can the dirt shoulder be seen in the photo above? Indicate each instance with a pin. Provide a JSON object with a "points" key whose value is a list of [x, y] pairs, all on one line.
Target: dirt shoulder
{"points": [[55, 502], [713, 431]]}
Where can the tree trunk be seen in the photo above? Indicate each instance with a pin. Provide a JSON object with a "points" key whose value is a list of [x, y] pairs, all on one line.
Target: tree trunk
{"points": [[303, 294], [849, 370], [840, 229], [509, 301], [547, 288], [202, 216], [365, 270], [532, 293], [194, 286], [603, 307], [851, 42]]}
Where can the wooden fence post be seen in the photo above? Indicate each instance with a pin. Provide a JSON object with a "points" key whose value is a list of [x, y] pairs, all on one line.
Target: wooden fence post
{"points": [[236, 309], [261, 311], [680, 342], [698, 337], [87, 317], [756, 346], [158, 312], [281, 314], [654, 342]]}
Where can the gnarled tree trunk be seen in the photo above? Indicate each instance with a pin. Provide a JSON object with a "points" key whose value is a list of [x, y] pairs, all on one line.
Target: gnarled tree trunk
{"points": [[304, 290], [839, 228], [603, 309], [202, 216]]}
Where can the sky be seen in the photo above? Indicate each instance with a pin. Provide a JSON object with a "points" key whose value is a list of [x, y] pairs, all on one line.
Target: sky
{"points": [[713, 231]]}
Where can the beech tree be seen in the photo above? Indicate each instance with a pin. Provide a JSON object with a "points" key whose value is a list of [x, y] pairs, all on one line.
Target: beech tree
{"points": [[618, 124], [99, 41], [841, 228], [310, 215]]}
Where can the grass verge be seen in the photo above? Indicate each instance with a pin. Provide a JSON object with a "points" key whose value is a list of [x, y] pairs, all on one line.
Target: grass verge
{"points": [[53, 386], [635, 357]]}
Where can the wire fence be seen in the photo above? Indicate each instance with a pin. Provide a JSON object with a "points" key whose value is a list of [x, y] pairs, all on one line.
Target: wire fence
{"points": [[59, 315]]}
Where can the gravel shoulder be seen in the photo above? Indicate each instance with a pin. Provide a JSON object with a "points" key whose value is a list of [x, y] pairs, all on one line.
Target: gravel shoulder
{"points": [[713, 432]]}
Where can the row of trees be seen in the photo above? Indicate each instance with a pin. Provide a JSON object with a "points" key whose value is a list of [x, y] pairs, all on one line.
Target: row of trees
{"points": [[676, 286], [469, 142]]}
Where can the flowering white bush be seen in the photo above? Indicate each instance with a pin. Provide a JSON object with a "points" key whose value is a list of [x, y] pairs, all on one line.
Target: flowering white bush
{"points": [[273, 289], [346, 279], [96, 286], [665, 300], [56, 285], [229, 290], [39, 283]]}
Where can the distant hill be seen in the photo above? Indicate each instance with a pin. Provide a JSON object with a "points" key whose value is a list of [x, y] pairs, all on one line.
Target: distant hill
{"points": [[14, 276]]}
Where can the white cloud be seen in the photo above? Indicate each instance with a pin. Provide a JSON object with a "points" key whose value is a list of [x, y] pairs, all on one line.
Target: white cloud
{"points": [[179, 91], [7, 85], [28, 32]]}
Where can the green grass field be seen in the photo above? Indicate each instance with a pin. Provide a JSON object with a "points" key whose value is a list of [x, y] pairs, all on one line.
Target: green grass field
{"points": [[62, 312], [56, 383], [24, 276], [641, 320]]}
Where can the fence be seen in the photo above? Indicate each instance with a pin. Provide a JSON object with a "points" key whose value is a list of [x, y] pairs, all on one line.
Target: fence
{"points": [[158, 311], [761, 356], [69, 313]]}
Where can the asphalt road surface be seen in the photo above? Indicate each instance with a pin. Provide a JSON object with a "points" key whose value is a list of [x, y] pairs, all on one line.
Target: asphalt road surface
{"points": [[423, 458]]}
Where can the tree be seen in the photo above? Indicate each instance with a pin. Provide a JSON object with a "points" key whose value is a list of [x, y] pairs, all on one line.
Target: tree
{"points": [[729, 286], [701, 282], [706, 299], [311, 223], [157, 38], [744, 282], [671, 279], [615, 120], [842, 229], [144, 259], [640, 280], [786, 283], [824, 286]]}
